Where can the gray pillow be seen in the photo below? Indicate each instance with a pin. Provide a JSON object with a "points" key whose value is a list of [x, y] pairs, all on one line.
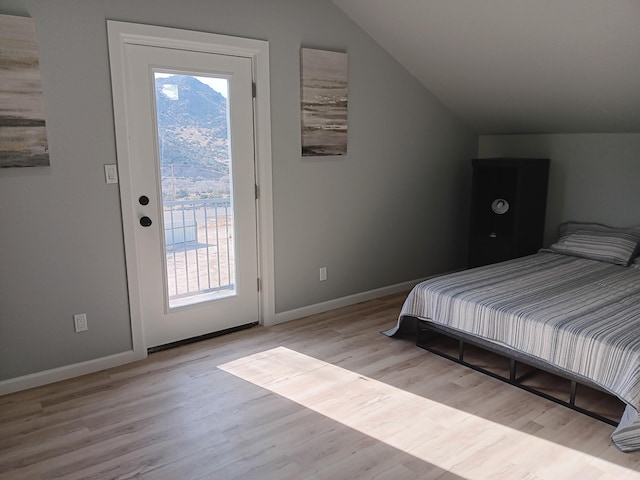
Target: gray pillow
{"points": [[598, 242], [568, 227]]}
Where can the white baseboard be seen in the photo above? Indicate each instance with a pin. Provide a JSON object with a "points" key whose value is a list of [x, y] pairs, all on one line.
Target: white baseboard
{"points": [[77, 369], [289, 315], [68, 371]]}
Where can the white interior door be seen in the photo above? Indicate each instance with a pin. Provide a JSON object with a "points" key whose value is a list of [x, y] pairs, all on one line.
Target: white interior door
{"points": [[189, 123]]}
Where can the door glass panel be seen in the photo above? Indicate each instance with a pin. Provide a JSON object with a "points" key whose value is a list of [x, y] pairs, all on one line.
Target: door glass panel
{"points": [[195, 178]]}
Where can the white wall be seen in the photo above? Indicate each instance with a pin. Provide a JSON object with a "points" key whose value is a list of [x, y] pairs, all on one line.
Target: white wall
{"points": [[393, 210], [593, 177]]}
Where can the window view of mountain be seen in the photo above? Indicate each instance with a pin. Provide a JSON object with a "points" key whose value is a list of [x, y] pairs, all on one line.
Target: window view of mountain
{"points": [[192, 138]]}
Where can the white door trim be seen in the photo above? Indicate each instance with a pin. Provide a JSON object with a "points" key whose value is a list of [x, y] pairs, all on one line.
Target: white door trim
{"points": [[122, 33]]}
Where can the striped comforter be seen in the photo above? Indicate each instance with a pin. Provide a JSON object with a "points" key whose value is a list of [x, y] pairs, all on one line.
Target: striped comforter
{"points": [[580, 315]]}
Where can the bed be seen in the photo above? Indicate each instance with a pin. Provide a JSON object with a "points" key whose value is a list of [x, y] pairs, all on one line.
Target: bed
{"points": [[574, 307]]}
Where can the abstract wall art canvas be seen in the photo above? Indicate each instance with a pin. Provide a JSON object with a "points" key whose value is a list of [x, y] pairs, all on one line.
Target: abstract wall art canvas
{"points": [[324, 102], [23, 135]]}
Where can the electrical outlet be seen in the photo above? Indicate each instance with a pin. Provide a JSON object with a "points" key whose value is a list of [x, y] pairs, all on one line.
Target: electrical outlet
{"points": [[323, 274], [80, 322]]}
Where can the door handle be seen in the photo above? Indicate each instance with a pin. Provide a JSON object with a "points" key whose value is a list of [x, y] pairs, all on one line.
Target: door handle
{"points": [[145, 222]]}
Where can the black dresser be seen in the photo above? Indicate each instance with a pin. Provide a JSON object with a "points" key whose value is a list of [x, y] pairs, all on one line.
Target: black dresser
{"points": [[508, 204]]}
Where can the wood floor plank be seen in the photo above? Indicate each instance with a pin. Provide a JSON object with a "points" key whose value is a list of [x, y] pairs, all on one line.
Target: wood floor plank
{"points": [[322, 397]]}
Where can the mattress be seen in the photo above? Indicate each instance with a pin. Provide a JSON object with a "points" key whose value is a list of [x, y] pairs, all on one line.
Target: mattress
{"points": [[577, 314]]}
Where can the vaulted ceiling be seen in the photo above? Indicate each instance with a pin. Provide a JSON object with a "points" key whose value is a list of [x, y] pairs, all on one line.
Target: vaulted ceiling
{"points": [[517, 66]]}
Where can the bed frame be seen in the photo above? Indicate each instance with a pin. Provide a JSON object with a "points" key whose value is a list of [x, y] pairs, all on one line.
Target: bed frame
{"points": [[427, 332]]}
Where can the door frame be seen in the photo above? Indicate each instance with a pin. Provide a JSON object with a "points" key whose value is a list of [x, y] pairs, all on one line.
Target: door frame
{"points": [[123, 33]]}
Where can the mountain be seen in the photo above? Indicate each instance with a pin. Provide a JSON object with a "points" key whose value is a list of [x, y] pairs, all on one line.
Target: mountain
{"points": [[192, 138]]}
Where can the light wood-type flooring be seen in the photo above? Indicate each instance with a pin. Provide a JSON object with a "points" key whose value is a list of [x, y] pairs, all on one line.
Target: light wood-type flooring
{"points": [[324, 397]]}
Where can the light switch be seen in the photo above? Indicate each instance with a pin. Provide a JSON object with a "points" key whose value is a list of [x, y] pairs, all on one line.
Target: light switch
{"points": [[111, 173]]}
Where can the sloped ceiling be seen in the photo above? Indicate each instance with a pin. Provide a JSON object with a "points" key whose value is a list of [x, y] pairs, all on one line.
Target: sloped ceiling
{"points": [[518, 66]]}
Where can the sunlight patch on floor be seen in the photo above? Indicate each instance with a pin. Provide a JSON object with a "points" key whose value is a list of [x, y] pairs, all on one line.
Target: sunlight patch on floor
{"points": [[414, 424]]}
